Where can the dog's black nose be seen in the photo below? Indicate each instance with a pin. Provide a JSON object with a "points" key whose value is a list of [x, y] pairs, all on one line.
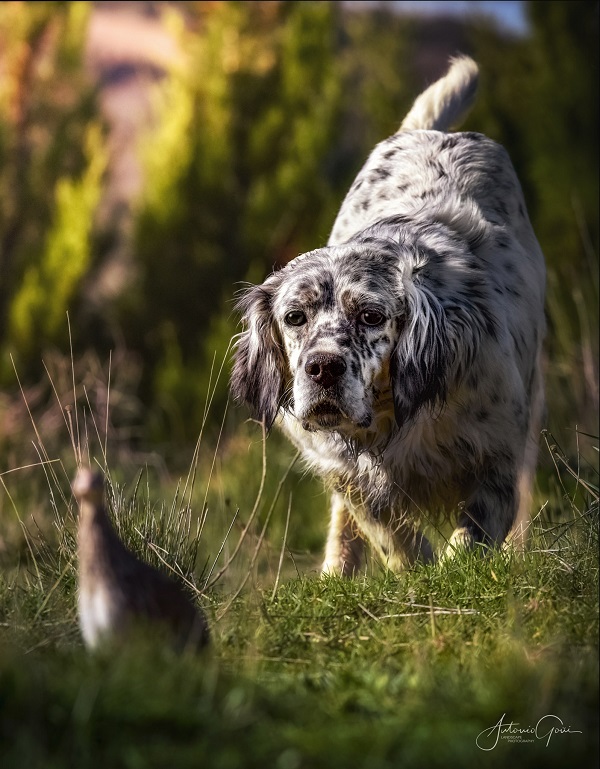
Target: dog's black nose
{"points": [[325, 368]]}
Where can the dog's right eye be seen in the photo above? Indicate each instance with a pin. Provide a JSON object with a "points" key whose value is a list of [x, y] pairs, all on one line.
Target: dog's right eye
{"points": [[295, 318], [371, 318]]}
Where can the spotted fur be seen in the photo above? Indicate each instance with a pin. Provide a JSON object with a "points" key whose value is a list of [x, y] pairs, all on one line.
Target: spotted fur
{"points": [[403, 359]]}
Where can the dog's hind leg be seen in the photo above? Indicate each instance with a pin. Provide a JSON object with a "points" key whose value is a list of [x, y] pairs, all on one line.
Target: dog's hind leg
{"points": [[489, 513], [520, 530], [409, 546]]}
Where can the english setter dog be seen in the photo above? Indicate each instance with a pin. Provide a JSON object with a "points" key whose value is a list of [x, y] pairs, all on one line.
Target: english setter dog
{"points": [[404, 358]]}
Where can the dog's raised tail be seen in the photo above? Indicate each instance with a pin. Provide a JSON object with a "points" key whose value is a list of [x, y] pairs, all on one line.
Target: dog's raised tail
{"points": [[445, 103]]}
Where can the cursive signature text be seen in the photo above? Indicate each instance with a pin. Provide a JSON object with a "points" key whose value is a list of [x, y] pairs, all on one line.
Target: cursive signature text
{"points": [[545, 729]]}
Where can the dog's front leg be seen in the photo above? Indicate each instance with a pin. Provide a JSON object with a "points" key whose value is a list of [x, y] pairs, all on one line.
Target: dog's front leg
{"points": [[345, 547]]}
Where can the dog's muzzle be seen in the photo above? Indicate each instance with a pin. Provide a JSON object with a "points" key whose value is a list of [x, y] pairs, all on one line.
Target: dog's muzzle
{"points": [[325, 372]]}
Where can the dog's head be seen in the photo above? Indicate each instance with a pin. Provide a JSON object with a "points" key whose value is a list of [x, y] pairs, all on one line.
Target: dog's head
{"points": [[345, 333]]}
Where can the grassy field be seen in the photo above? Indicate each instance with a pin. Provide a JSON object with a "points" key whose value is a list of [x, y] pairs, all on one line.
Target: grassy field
{"points": [[478, 662]]}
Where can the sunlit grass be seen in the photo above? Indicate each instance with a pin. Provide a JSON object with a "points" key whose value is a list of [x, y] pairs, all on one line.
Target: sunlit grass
{"points": [[377, 672]]}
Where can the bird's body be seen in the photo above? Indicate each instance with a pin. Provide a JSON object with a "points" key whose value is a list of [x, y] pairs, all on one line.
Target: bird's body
{"points": [[117, 591]]}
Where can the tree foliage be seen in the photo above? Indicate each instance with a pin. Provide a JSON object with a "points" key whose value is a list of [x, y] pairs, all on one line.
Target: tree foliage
{"points": [[259, 127], [37, 311], [51, 165]]}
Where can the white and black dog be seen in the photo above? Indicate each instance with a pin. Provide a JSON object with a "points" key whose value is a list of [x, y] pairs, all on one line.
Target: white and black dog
{"points": [[404, 358]]}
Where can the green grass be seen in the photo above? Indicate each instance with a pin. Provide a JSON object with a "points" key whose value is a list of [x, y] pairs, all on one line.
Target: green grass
{"points": [[378, 672]]}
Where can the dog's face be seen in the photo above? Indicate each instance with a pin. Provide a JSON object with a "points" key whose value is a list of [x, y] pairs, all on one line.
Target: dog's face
{"points": [[345, 334], [338, 323], [342, 335]]}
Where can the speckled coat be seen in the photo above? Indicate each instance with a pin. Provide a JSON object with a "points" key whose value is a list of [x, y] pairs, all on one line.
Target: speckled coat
{"points": [[404, 359]]}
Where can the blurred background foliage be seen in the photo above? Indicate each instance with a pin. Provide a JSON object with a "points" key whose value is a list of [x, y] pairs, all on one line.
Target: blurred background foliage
{"points": [[51, 165], [254, 128]]}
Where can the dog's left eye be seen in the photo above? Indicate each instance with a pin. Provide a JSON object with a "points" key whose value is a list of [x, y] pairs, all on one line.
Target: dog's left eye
{"points": [[295, 318], [371, 318]]}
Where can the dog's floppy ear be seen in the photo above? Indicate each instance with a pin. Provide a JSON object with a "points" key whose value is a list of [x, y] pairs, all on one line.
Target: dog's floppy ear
{"points": [[448, 313], [422, 362], [257, 377]]}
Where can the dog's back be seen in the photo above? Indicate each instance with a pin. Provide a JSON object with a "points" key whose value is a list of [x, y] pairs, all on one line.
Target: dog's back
{"points": [[422, 172]]}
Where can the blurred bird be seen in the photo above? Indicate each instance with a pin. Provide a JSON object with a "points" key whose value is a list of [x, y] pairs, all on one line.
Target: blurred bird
{"points": [[117, 591]]}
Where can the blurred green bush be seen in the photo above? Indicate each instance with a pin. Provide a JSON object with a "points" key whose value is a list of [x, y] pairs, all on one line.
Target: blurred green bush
{"points": [[52, 160], [257, 132]]}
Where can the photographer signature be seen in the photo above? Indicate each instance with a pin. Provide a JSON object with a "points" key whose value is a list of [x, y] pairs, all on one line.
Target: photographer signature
{"points": [[545, 729]]}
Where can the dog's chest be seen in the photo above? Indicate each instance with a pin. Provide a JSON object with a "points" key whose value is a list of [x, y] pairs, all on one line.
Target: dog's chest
{"points": [[405, 472]]}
